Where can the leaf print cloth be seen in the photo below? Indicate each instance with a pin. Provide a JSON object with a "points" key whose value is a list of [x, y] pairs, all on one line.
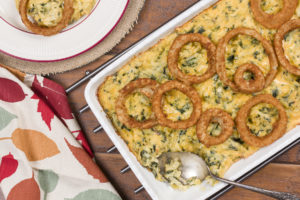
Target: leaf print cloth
{"points": [[43, 152]]}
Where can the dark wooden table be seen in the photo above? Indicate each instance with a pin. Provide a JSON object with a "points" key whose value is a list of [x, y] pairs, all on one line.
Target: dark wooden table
{"points": [[282, 174]]}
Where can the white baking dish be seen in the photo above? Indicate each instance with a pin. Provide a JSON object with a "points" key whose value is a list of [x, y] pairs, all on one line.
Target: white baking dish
{"points": [[156, 189]]}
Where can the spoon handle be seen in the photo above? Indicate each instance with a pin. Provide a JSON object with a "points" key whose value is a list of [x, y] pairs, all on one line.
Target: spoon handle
{"points": [[274, 194]]}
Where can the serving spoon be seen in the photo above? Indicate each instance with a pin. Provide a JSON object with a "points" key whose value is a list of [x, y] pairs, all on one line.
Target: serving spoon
{"points": [[194, 166]]}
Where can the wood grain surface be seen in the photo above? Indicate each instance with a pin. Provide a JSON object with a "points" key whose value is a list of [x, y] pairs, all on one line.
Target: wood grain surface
{"points": [[282, 174]]}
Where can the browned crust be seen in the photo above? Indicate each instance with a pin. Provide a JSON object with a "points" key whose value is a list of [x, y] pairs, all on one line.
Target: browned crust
{"points": [[279, 127], [173, 56], [143, 85], [220, 56], [187, 90], [47, 31], [273, 21], [217, 115], [282, 31], [249, 86]]}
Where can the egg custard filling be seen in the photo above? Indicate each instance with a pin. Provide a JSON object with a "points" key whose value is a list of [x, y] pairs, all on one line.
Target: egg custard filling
{"points": [[49, 12], [148, 144]]}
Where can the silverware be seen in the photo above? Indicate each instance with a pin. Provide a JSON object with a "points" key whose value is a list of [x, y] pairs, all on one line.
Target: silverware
{"points": [[194, 166]]}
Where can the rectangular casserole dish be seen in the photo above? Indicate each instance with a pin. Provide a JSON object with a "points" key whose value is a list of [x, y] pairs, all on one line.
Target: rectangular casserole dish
{"points": [[158, 190]]}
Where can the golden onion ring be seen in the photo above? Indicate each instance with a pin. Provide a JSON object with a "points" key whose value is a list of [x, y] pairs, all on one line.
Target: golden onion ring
{"points": [[282, 31], [220, 57], [252, 85], [273, 21], [144, 85], [47, 31], [173, 56], [187, 90], [279, 127], [214, 115]]}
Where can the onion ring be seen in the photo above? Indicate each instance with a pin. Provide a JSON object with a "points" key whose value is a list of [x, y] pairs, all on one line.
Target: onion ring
{"points": [[173, 56], [273, 21], [220, 57], [249, 86], [144, 85], [214, 115], [47, 31], [186, 89], [284, 29], [279, 127]]}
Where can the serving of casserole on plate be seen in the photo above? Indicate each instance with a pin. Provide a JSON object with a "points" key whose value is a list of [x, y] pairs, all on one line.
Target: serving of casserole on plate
{"points": [[142, 147], [91, 21]]}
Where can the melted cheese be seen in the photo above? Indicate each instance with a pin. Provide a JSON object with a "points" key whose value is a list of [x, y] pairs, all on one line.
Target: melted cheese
{"points": [[148, 144], [290, 43], [49, 12], [261, 119], [271, 7], [193, 59]]}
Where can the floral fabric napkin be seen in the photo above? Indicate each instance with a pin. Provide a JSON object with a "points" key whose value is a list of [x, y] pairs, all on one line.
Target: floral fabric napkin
{"points": [[41, 154]]}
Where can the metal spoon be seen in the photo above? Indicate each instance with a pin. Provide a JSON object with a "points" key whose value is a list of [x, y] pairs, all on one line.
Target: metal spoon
{"points": [[194, 166]]}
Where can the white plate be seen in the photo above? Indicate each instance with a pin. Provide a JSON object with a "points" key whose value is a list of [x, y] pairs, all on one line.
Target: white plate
{"points": [[156, 189], [17, 41]]}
